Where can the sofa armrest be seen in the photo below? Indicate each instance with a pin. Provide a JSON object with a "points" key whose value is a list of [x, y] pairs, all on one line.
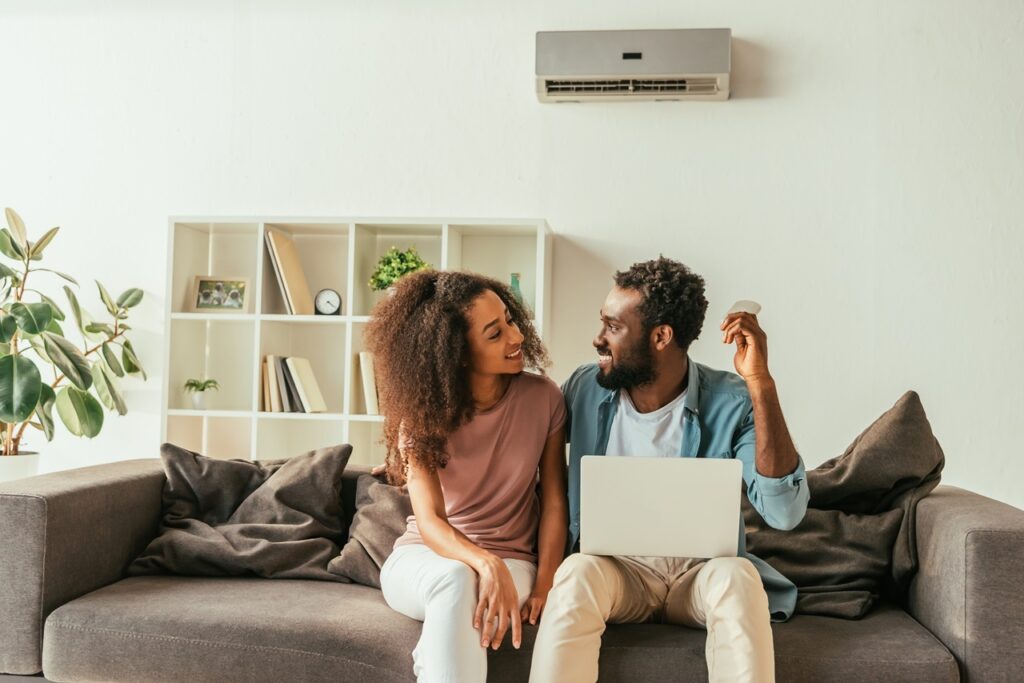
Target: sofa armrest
{"points": [[63, 535], [969, 588]]}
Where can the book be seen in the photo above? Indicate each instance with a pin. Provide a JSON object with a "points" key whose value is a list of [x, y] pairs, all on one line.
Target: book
{"points": [[290, 273], [275, 393], [282, 388], [305, 381], [265, 386], [277, 271], [293, 392], [369, 382]]}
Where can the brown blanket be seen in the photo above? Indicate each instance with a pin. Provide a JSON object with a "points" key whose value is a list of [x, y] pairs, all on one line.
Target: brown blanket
{"points": [[857, 541]]}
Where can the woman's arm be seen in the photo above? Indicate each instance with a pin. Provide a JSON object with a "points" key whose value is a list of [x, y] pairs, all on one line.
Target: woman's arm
{"points": [[497, 596], [553, 523]]}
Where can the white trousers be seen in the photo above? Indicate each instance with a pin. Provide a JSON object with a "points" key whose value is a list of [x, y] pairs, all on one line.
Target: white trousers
{"points": [[723, 595], [442, 593]]}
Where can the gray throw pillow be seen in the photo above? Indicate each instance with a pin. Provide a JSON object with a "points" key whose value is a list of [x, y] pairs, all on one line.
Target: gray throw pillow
{"points": [[381, 512], [238, 517]]}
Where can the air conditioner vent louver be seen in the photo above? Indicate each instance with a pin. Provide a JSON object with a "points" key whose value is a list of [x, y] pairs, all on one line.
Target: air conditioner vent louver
{"points": [[632, 85], [660, 64]]}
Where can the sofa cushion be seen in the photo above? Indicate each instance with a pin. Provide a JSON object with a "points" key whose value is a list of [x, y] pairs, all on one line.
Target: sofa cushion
{"points": [[380, 518], [164, 628], [237, 517]]}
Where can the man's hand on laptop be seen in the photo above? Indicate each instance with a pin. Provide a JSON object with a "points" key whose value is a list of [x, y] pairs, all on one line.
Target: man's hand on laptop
{"points": [[497, 605]]}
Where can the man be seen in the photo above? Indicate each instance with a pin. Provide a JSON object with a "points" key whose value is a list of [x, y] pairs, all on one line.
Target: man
{"points": [[645, 397]]}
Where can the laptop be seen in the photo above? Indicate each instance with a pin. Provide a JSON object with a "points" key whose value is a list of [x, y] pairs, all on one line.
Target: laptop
{"points": [[661, 507]]}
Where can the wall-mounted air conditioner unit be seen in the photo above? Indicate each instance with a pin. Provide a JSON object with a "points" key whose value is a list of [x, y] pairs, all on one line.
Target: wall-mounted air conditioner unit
{"points": [[664, 64]]}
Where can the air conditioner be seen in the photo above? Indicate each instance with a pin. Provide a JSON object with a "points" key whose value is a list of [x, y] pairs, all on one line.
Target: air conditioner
{"points": [[663, 64]]}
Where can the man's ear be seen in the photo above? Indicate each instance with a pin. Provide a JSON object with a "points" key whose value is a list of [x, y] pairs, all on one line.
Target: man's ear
{"points": [[662, 336]]}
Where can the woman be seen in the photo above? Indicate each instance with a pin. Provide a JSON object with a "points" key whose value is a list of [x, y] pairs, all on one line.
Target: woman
{"points": [[468, 431]]}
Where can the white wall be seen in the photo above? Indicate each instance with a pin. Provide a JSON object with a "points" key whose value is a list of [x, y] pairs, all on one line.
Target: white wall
{"points": [[865, 183]]}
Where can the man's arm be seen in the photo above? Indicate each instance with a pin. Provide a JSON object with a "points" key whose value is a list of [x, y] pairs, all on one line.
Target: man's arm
{"points": [[776, 454], [778, 487]]}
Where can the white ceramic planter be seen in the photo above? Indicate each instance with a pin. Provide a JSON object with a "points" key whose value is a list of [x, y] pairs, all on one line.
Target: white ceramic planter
{"points": [[18, 466], [199, 400]]}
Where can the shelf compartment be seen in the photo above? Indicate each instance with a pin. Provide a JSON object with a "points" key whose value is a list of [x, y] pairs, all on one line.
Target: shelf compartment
{"points": [[276, 439], [323, 252], [217, 349], [323, 345], [219, 250], [217, 437], [366, 439], [373, 241], [497, 252]]}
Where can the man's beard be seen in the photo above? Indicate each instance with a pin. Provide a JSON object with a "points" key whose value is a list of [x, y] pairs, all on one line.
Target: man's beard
{"points": [[633, 368]]}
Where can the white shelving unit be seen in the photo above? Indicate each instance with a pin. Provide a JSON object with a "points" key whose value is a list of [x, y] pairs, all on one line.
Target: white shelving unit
{"points": [[336, 253]]}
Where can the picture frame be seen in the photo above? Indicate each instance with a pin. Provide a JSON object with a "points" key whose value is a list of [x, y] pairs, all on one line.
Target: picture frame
{"points": [[217, 294]]}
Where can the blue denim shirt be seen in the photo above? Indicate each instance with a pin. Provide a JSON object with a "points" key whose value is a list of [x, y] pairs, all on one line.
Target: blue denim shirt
{"points": [[718, 422]]}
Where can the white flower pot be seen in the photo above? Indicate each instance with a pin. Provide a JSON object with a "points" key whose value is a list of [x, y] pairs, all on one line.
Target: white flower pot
{"points": [[18, 466], [199, 400]]}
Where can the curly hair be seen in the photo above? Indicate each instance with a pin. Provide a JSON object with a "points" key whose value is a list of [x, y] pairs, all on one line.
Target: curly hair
{"points": [[421, 359], [672, 294]]}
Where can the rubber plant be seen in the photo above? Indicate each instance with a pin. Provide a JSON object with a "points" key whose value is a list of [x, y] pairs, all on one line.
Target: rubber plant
{"points": [[40, 367]]}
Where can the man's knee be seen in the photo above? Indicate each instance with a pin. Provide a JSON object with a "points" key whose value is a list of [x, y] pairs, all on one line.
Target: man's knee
{"points": [[723, 576], [579, 568]]}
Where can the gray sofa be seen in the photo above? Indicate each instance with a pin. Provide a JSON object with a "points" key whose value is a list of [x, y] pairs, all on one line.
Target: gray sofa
{"points": [[66, 608]]}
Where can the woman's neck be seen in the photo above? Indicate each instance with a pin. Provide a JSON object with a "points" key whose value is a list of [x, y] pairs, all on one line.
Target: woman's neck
{"points": [[487, 390]]}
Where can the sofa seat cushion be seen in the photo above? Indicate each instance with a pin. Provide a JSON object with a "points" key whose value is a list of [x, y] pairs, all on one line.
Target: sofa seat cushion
{"points": [[179, 628], [164, 628]]}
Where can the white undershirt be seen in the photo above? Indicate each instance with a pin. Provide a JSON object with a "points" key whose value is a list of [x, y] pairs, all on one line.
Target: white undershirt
{"points": [[658, 433]]}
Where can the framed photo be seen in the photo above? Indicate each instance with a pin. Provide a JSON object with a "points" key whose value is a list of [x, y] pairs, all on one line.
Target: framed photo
{"points": [[211, 294]]}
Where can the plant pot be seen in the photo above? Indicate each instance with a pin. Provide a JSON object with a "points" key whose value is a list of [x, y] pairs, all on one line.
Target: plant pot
{"points": [[18, 466], [199, 400]]}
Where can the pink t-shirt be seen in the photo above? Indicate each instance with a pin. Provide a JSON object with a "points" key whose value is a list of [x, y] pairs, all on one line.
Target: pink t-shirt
{"points": [[490, 482]]}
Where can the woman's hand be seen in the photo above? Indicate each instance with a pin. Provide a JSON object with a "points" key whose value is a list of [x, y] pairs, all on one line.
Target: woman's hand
{"points": [[498, 605], [535, 604]]}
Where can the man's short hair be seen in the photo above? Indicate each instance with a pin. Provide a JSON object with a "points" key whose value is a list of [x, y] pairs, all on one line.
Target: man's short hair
{"points": [[671, 294]]}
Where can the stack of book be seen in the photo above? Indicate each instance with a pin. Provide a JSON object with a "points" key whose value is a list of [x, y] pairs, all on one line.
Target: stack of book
{"points": [[290, 276], [289, 386]]}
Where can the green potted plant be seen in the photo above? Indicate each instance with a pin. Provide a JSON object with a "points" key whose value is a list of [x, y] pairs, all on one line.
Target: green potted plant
{"points": [[393, 265], [197, 387], [41, 368]]}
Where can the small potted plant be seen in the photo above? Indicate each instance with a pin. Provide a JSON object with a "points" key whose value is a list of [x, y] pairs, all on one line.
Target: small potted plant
{"points": [[197, 387], [393, 265]]}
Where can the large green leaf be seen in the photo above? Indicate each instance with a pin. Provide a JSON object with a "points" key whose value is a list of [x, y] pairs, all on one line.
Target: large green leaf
{"points": [[80, 412], [9, 247], [44, 410], [37, 346], [17, 228], [8, 328], [107, 388], [57, 272], [32, 318], [69, 359], [20, 385], [76, 309], [36, 252], [111, 360], [57, 313], [129, 298], [9, 273], [105, 297], [98, 328], [130, 360]]}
